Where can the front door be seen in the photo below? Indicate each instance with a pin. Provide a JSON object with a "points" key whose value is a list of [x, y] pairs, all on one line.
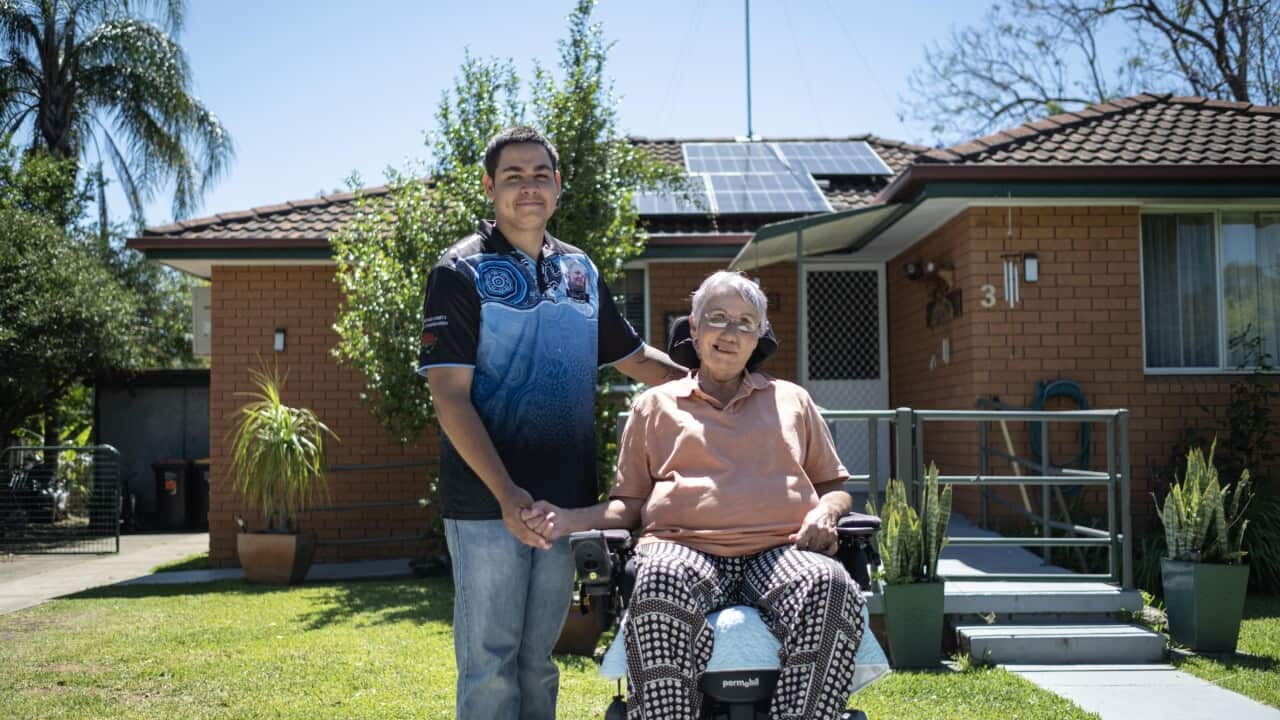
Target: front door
{"points": [[845, 360]]}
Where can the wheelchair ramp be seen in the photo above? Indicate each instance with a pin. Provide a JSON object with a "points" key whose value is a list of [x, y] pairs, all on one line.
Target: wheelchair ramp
{"points": [[1061, 644], [1053, 597], [1051, 618]]}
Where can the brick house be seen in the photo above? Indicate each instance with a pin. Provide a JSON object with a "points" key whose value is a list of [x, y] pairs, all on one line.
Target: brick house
{"points": [[1154, 220]]}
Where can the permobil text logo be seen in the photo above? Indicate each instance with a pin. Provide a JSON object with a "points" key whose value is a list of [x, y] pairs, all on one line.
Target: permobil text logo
{"points": [[744, 684]]}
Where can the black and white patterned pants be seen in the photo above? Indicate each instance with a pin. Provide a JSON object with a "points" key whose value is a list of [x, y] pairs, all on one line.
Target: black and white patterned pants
{"points": [[807, 600]]}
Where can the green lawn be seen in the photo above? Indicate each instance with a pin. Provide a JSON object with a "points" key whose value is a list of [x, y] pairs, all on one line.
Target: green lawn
{"points": [[1254, 669], [348, 650], [198, 561]]}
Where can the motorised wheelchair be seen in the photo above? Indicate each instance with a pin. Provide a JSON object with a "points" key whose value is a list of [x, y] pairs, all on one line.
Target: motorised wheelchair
{"points": [[739, 681]]}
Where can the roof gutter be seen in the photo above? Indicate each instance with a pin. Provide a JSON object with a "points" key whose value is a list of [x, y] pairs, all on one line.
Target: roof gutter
{"points": [[913, 180], [149, 243]]}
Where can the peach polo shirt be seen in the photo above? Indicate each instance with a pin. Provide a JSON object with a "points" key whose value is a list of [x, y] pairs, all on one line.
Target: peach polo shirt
{"points": [[729, 481]]}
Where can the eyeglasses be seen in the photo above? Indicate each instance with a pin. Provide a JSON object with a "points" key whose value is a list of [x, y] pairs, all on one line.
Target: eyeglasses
{"points": [[720, 320]]}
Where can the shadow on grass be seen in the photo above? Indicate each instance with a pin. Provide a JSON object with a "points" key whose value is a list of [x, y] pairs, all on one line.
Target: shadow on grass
{"points": [[218, 587], [379, 603], [1261, 607], [365, 602], [1235, 661]]}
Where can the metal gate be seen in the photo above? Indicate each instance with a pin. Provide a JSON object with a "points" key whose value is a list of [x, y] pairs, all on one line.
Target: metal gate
{"points": [[844, 365], [60, 500]]}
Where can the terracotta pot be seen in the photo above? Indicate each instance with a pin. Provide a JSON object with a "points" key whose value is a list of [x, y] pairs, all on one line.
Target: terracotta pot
{"points": [[275, 558]]}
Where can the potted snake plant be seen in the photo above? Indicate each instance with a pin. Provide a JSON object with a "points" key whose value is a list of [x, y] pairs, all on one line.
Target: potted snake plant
{"points": [[277, 464], [1204, 574], [909, 543]]}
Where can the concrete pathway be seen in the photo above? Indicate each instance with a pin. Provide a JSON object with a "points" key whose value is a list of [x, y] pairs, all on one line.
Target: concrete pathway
{"points": [[28, 580], [1143, 692]]}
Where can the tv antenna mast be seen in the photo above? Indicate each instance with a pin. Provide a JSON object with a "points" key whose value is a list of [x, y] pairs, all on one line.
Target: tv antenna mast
{"points": [[747, 14]]}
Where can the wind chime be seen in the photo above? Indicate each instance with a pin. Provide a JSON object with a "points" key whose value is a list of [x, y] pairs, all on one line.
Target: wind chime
{"points": [[1018, 267]]}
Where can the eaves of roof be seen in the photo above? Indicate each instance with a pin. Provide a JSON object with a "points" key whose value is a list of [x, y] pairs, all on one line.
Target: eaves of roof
{"points": [[1206, 180]]}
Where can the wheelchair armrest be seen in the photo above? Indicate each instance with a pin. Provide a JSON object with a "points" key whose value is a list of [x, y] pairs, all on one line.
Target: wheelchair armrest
{"points": [[855, 532], [856, 523]]}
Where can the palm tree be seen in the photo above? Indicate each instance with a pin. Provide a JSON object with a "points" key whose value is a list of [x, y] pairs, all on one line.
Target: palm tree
{"points": [[95, 78]]}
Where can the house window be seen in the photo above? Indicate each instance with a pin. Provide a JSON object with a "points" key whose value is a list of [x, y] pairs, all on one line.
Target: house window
{"points": [[631, 293], [1251, 283], [1209, 279], [1180, 291]]}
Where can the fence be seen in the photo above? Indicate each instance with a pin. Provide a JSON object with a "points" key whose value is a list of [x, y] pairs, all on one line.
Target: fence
{"points": [[908, 430], [1117, 537], [60, 500]]}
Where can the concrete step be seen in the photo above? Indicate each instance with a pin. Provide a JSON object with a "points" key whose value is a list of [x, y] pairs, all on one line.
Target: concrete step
{"points": [[1022, 599], [1112, 643], [1030, 597]]}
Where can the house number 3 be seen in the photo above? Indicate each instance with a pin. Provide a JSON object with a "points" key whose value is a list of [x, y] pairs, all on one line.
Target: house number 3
{"points": [[988, 296]]}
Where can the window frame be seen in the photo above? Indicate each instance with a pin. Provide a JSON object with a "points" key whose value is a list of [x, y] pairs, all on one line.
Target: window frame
{"points": [[1223, 351]]}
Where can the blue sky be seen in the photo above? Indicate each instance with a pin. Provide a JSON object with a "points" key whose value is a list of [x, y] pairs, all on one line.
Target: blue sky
{"points": [[312, 90]]}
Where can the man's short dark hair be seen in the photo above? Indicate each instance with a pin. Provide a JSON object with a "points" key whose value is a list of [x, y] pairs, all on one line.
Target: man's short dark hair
{"points": [[514, 136]]}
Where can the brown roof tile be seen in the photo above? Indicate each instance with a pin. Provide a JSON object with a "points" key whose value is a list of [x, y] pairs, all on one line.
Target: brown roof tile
{"points": [[1144, 129], [316, 219]]}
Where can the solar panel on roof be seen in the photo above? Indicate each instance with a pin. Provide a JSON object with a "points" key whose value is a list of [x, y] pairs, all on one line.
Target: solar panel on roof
{"points": [[732, 158], [694, 201], [751, 193], [845, 157]]}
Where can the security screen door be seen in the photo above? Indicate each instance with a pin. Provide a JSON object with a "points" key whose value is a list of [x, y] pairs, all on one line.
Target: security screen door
{"points": [[845, 360]]}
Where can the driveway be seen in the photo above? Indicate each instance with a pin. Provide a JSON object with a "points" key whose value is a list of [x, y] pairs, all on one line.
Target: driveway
{"points": [[28, 580]]}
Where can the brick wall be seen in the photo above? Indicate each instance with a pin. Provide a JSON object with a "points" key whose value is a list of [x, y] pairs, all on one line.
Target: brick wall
{"points": [[248, 304], [918, 376], [1081, 321]]}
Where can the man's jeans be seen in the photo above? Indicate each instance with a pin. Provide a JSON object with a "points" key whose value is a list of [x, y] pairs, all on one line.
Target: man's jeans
{"points": [[509, 604]]}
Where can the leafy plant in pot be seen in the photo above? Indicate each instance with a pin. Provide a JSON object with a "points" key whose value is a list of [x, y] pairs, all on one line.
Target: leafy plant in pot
{"points": [[1204, 575], [909, 544], [277, 464]]}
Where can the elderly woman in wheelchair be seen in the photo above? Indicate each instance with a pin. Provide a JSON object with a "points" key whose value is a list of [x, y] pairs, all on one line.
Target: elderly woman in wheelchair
{"points": [[736, 486]]}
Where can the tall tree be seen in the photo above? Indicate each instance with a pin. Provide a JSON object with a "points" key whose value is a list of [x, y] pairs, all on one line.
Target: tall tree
{"points": [[64, 317], [1029, 58], [386, 252], [104, 80]]}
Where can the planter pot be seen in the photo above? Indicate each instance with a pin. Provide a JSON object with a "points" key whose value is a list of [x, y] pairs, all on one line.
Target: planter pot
{"points": [[1205, 602], [913, 616], [275, 558], [581, 631]]}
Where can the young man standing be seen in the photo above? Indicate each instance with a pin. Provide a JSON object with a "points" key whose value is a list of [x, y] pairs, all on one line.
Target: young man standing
{"points": [[514, 327]]}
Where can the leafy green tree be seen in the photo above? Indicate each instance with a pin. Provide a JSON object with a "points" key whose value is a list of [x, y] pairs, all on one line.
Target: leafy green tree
{"points": [[64, 318], [386, 252], [161, 328], [106, 79], [94, 82]]}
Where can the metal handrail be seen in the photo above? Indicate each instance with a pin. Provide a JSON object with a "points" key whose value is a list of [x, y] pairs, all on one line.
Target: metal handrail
{"points": [[1118, 535], [872, 418]]}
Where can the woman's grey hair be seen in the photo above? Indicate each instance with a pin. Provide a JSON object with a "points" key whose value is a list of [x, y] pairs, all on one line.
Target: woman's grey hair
{"points": [[745, 286]]}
